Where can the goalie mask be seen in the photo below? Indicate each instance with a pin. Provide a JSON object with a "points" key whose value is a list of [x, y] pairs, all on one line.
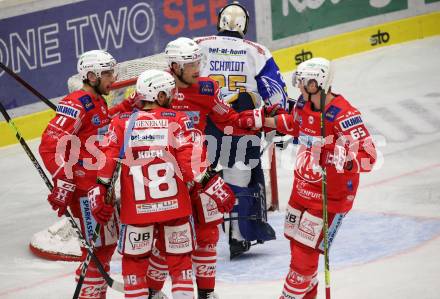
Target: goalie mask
{"points": [[233, 17], [151, 82], [316, 69]]}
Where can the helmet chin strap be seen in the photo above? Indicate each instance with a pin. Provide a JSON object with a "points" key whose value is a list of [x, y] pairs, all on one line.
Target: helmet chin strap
{"points": [[180, 77], [96, 86], [310, 94]]}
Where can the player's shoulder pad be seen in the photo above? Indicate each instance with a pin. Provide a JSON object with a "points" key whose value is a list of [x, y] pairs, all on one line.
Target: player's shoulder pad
{"points": [[259, 48], [349, 117], [68, 108], [206, 86], [201, 39], [338, 109], [332, 112], [83, 98]]}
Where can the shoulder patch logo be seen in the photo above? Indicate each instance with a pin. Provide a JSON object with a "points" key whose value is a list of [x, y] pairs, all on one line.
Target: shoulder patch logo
{"points": [[332, 112], [350, 122], [96, 120], [206, 88], [189, 124], [67, 111], [87, 103]]}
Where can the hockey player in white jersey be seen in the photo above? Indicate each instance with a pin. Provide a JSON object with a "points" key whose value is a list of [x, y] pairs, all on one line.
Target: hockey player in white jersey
{"points": [[247, 73]]}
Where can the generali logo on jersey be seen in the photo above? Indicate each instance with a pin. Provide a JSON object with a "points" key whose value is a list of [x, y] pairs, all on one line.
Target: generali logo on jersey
{"points": [[151, 123]]}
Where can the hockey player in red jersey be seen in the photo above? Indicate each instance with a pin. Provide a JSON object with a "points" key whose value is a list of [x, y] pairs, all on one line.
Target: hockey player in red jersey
{"points": [[198, 98], [68, 149], [348, 150], [161, 159]]}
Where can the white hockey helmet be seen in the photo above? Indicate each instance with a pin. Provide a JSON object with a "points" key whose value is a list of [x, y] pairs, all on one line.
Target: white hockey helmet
{"points": [[151, 82], [95, 61], [182, 50], [318, 69], [233, 17]]}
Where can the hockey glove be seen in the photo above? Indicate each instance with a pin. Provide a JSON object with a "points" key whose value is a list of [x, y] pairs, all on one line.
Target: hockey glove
{"points": [[217, 189], [250, 119], [61, 195], [135, 100], [101, 211], [337, 158], [272, 110]]}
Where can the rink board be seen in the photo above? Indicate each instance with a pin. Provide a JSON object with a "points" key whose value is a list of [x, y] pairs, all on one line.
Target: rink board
{"points": [[32, 125]]}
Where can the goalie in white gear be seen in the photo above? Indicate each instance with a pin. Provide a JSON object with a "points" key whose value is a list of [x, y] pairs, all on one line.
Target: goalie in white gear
{"points": [[249, 78]]}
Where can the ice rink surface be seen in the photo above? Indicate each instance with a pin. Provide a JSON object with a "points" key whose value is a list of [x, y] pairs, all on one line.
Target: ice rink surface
{"points": [[389, 244]]}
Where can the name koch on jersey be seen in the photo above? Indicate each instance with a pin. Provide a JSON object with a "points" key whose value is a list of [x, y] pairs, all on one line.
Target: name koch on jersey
{"points": [[150, 154]]}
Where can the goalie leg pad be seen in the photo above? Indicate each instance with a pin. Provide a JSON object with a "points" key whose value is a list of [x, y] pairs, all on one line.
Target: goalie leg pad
{"points": [[251, 213], [135, 241]]}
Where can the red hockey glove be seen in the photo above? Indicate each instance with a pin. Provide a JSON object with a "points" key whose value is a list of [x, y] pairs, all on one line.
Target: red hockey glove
{"points": [[101, 211], [336, 157], [135, 100], [221, 193], [272, 110], [251, 119], [61, 195]]}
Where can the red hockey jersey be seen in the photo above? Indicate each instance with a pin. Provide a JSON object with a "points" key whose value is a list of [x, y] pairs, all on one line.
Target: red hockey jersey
{"points": [[73, 135], [201, 100], [160, 158], [344, 129]]}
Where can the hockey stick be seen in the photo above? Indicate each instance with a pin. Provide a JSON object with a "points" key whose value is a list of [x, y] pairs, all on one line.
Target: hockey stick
{"points": [[243, 218], [28, 86], [324, 202], [108, 197], [112, 283]]}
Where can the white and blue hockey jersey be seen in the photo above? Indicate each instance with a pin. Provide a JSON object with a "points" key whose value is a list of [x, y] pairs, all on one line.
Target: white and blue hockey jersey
{"points": [[241, 65]]}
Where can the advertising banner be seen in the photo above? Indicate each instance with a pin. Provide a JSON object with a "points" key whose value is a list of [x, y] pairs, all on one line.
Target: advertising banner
{"points": [[43, 46], [291, 17]]}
